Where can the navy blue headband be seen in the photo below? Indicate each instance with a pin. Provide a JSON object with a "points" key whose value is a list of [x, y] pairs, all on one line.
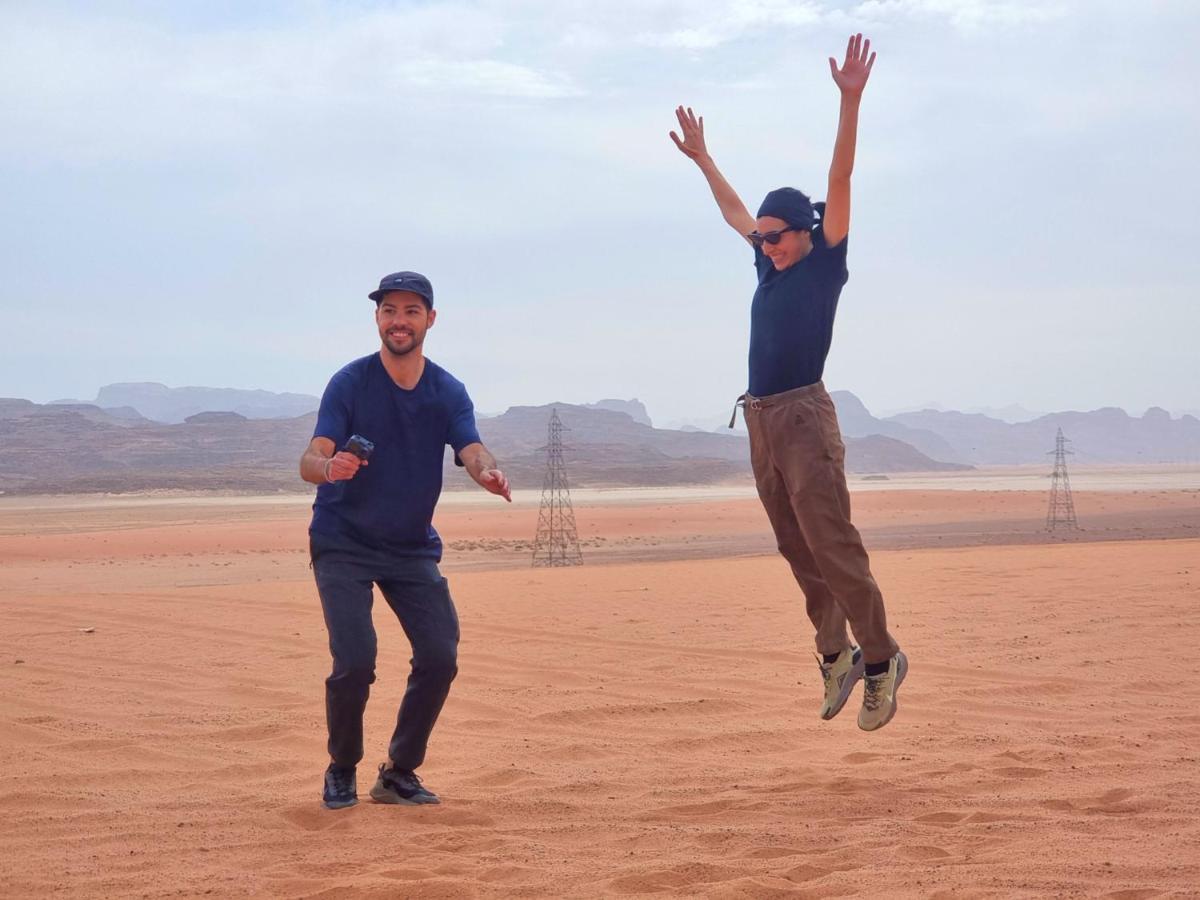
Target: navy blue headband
{"points": [[790, 205]]}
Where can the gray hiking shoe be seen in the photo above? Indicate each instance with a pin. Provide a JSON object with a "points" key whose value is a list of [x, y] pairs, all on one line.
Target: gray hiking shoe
{"points": [[341, 787], [401, 786], [879, 694], [840, 677]]}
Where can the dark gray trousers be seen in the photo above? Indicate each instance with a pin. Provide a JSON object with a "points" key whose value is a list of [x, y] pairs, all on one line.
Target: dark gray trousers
{"points": [[414, 588]]}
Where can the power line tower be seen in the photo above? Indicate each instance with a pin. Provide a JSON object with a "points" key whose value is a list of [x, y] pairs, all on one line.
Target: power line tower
{"points": [[1061, 514], [557, 542]]}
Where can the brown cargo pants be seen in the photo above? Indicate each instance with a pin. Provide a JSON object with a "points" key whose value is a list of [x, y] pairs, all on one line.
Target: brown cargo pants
{"points": [[799, 462]]}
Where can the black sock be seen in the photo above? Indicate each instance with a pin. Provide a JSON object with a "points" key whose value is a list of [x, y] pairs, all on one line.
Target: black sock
{"points": [[877, 668]]}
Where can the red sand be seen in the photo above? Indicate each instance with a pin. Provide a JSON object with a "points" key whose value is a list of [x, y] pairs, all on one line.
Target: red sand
{"points": [[644, 724]]}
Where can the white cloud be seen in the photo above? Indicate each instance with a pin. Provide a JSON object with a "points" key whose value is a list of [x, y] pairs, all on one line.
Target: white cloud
{"points": [[968, 15], [517, 151], [721, 23], [93, 89]]}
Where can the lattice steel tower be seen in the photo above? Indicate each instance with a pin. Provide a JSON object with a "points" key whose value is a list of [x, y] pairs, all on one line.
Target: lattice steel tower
{"points": [[557, 542], [1061, 514]]}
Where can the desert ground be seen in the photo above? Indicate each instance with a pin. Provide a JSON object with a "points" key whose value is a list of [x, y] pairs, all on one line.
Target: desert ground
{"points": [[645, 724]]}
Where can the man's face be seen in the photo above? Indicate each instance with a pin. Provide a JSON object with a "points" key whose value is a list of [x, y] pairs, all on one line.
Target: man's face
{"points": [[793, 246], [403, 318]]}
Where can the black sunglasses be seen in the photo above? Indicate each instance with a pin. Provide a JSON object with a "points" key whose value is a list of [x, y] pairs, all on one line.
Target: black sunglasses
{"points": [[770, 237]]}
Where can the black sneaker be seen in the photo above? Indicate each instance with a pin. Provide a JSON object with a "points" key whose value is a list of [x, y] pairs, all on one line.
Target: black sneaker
{"points": [[400, 786], [341, 787]]}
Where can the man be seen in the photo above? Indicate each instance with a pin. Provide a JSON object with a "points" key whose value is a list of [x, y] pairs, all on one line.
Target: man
{"points": [[372, 524], [795, 443]]}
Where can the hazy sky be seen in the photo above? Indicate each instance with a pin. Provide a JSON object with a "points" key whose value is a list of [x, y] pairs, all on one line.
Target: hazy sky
{"points": [[203, 193]]}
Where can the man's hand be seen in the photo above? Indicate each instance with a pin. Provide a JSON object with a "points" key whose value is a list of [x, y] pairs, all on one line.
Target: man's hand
{"points": [[342, 466], [855, 70], [481, 466], [496, 482], [692, 146]]}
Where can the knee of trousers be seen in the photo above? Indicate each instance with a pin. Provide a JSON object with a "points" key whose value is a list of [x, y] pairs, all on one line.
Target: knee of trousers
{"points": [[802, 564], [351, 677], [440, 665]]}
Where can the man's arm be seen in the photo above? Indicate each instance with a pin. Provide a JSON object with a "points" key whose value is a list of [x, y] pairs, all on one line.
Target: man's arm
{"points": [[320, 465], [733, 210], [481, 465], [850, 79]]}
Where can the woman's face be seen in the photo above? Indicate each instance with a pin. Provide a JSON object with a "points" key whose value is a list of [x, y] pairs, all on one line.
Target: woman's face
{"points": [[793, 246]]}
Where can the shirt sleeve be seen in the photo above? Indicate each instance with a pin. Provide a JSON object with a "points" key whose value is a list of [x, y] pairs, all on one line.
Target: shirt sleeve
{"points": [[831, 260], [462, 430], [762, 263], [335, 412]]}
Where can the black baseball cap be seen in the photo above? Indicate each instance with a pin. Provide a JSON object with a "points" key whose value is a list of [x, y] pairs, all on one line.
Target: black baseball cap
{"points": [[404, 281]]}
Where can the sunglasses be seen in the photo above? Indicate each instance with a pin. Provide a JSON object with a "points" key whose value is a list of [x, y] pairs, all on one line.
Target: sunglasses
{"points": [[770, 237]]}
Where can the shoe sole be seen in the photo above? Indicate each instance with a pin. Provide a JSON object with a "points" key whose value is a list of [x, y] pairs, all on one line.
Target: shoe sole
{"points": [[338, 804], [901, 671], [853, 678], [383, 795]]}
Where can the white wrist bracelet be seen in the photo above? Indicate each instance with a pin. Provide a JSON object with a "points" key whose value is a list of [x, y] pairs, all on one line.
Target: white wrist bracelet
{"points": [[328, 463]]}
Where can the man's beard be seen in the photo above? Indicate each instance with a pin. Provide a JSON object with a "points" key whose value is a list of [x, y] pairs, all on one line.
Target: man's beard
{"points": [[397, 350]]}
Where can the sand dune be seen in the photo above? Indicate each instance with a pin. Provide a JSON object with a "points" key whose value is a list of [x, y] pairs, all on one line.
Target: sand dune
{"points": [[642, 725]]}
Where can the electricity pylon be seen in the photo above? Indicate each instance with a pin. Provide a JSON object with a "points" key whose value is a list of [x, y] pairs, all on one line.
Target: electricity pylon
{"points": [[1061, 514], [557, 542]]}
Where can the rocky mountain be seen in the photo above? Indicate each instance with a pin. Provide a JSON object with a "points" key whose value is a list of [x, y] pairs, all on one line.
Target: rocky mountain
{"points": [[1108, 435], [856, 421], [172, 405], [634, 408], [81, 448]]}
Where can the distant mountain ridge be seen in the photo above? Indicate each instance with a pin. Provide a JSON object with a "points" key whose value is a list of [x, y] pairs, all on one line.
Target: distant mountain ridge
{"points": [[82, 448], [856, 421], [634, 408], [1108, 435], [140, 436], [173, 405]]}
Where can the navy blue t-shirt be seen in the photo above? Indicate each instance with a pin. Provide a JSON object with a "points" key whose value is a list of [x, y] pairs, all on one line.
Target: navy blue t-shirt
{"points": [[389, 504], [791, 318]]}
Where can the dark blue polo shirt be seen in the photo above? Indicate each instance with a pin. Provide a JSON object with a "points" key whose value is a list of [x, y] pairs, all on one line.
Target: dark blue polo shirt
{"points": [[791, 318], [389, 504]]}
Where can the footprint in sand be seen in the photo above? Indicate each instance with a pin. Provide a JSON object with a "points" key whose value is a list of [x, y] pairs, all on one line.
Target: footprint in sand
{"points": [[1020, 771], [459, 817], [674, 880], [1114, 802], [945, 819], [407, 874], [805, 872], [312, 817], [497, 874], [712, 808], [35, 720], [469, 845], [923, 852], [1058, 805], [985, 818], [860, 758], [499, 778], [771, 852]]}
